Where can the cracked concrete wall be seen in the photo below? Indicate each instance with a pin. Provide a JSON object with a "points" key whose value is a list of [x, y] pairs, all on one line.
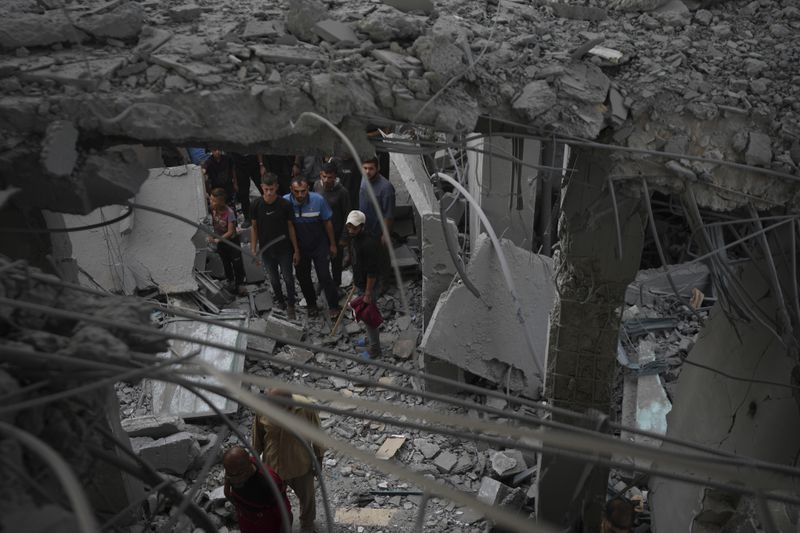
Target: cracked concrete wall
{"points": [[752, 419]]}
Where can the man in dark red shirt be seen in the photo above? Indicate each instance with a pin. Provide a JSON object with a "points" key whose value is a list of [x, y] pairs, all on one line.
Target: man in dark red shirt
{"points": [[257, 509]]}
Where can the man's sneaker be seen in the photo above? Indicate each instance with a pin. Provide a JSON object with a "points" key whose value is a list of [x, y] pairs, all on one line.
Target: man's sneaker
{"points": [[290, 314]]}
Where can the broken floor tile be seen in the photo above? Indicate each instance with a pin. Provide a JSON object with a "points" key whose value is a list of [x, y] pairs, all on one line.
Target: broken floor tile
{"points": [[277, 53], [283, 328], [262, 28], [334, 32]]}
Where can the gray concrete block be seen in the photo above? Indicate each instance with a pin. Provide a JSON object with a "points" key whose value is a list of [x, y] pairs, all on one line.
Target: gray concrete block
{"points": [[426, 448], [283, 328], [277, 53], [405, 344], [173, 454], [488, 340], [260, 343], [425, 6], [508, 463], [334, 31], [759, 150], [154, 426], [445, 461], [262, 28], [491, 491], [437, 367]]}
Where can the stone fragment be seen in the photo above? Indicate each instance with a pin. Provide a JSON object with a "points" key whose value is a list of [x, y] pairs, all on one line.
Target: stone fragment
{"points": [[296, 355], [76, 74], [680, 170], [506, 465], [390, 447], [301, 17], [441, 57], [536, 98], [155, 73], [173, 454], [426, 448], [153, 426], [425, 6], [277, 53], [759, 86], [283, 328], [122, 22], [491, 491], [584, 82], [445, 462], [217, 496], [59, 153], [405, 344], [753, 67], [335, 32], [578, 12], [255, 29], [703, 16], [150, 39], [30, 29], [185, 13], [387, 24], [759, 150]]}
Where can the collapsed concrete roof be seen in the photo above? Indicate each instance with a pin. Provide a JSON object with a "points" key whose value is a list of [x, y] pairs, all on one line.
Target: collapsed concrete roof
{"points": [[79, 78]]}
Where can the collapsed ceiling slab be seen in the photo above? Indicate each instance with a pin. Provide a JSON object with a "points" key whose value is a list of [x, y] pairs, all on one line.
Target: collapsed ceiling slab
{"points": [[155, 72]]}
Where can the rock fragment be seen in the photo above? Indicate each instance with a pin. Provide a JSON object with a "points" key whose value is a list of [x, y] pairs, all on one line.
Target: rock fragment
{"points": [[153, 426], [759, 150], [536, 98], [335, 32], [185, 13], [174, 454], [301, 17], [123, 22], [445, 462], [31, 29], [387, 24], [426, 448]]}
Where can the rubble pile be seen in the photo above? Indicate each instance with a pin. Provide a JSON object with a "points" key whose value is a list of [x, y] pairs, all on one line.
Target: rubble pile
{"points": [[144, 70]]}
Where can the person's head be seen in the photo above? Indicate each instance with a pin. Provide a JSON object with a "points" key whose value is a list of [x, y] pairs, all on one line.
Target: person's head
{"points": [[238, 468], [618, 516], [269, 187], [300, 189], [371, 167], [218, 199], [328, 176], [355, 223], [217, 153], [280, 394]]}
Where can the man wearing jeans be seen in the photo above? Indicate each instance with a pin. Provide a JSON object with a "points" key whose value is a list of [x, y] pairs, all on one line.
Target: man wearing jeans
{"points": [[273, 232], [369, 259], [312, 219]]}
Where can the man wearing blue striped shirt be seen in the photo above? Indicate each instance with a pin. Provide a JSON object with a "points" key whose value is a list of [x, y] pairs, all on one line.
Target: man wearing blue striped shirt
{"points": [[317, 242]]}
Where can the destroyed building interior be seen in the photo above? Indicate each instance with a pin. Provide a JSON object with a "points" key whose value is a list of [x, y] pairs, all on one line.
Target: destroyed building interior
{"points": [[594, 289]]}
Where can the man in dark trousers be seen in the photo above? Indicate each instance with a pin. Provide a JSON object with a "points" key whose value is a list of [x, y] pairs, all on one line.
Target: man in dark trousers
{"points": [[247, 169], [220, 172], [274, 233], [312, 219], [223, 221], [338, 199], [370, 260], [252, 495], [349, 174], [384, 192]]}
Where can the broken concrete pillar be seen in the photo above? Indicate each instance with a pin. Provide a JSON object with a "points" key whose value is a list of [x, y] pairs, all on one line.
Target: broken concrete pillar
{"points": [[437, 266], [484, 336], [591, 281]]}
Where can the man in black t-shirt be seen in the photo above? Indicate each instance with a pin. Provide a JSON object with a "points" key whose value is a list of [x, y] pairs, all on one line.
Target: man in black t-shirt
{"points": [[273, 233]]}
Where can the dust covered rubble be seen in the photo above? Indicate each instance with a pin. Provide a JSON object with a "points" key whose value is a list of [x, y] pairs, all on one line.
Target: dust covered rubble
{"points": [[500, 477], [674, 63]]}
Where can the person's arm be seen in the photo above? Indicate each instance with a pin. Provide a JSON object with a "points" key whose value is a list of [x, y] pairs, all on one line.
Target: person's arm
{"points": [[254, 239], [293, 240], [262, 170], [368, 290], [233, 176], [257, 437], [231, 230], [331, 237]]}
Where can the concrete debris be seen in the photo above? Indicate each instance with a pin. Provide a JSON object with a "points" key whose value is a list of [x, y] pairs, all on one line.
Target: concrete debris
{"points": [[287, 54], [185, 13], [406, 344], [301, 17], [31, 30], [59, 153], [123, 22], [536, 98], [335, 32], [759, 150], [426, 448], [445, 461], [508, 463], [577, 12], [174, 454], [460, 332], [584, 82], [492, 492], [388, 24], [255, 29], [365, 517], [152, 426], [296, 355], [279, 327], [390, 447], [424, 6]]}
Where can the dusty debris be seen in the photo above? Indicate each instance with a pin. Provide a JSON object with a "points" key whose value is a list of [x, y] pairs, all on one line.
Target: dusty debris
{"points": [[390, 446]]}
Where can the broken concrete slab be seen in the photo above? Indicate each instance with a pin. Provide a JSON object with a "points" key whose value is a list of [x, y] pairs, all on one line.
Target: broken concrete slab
{"points": [[123, 22], [405, 344], [485, 337], [335, 32], [653, 283], [283, 328], [31, 29], [491, 491], [508, 463], [296, 355], [295, 55], [578, 12], [255, 29], [152, 426], [390, 447], [83, 74], [426, 448], [255, 342], [301, 17], [584, 82], [445, 461], [424, 6], [171, 399], [59, 153], [185, 13], [357, 516], [174, 454], [387, 24], [536, 98], [262, 300], [759, 150]]}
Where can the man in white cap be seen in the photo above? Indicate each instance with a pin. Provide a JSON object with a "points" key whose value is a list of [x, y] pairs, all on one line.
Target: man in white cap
{"points": [[369, 259]]}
